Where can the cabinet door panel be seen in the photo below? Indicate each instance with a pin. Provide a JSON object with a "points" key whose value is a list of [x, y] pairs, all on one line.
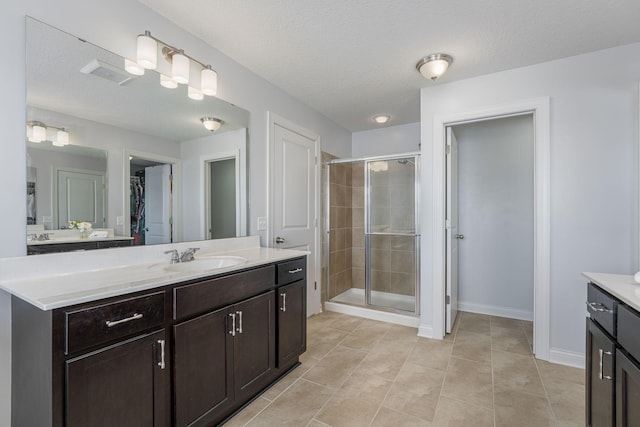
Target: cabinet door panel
{"points": [[627, 392], [600, 367], [254, 343], [203, 355], [292, 321], [121, 385]]}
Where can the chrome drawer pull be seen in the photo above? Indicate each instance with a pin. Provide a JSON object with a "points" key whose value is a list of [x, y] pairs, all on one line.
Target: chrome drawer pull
{"points": [[161, 362], [284, 302], [297, 270], [600, 375], [111, 323], [597, 306], [239, 313], [233, 324]]}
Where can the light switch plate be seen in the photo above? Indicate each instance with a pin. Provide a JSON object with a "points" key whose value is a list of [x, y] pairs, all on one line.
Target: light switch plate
{"points": [[262, 223], [119, 220]]}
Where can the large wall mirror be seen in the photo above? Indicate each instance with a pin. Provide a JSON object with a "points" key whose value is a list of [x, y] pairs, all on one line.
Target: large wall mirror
{"points": [[139, 162]]}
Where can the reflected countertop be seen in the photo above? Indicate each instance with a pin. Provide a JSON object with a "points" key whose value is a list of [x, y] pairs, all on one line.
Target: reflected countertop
{"points": [[60, 280]]}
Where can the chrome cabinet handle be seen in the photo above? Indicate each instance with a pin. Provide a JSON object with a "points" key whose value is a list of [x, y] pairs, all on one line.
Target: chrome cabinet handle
{"points": [[297, 270], [284, 302], [239, 313], [459, 236], [601, 352], [597, 306], [279, 239], [111, 323], [233, 324], [161, 362]]}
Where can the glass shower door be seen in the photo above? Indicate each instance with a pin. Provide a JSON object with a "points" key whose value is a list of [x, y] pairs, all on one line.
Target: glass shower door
{"points": [[391, 234]]}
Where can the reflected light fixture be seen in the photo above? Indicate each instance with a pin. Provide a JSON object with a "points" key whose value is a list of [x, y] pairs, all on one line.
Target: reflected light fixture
{"points": [[433, 66], [381, 118], [211, 123], [379, 166], [181, 64], [38, 133]]}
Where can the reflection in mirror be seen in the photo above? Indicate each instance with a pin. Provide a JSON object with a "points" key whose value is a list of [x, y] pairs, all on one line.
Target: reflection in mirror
{"points": [[83, 89]]}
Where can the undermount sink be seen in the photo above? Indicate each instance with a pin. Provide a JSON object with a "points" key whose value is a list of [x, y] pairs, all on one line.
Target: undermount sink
{"points": [[209, 263]]}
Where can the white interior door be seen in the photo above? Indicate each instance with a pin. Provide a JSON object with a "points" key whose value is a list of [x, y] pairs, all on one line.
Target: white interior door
{"points": [[453, 234], [294, 201], [80, 198], [157, 204]]}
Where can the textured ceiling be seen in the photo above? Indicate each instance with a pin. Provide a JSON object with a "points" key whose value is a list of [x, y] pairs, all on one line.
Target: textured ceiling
{"points": [[351, 59]]}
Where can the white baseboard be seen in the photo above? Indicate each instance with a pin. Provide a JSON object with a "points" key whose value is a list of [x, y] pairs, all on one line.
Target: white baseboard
{"points": [[425, 331], [493, 310], [565, 357]]}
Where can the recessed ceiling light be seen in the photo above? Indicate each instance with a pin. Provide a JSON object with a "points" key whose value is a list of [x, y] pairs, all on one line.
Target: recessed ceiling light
{"points": [[381, 118]]}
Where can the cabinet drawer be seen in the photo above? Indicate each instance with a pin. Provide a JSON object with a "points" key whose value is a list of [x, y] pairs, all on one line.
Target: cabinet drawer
{"points": [[629, 330], [210, 294], [100, 324], [291, 271], [602, 308]]}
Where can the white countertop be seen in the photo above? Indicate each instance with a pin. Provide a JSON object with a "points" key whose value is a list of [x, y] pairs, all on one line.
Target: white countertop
{"points": [[59, 280], [621, 286]]}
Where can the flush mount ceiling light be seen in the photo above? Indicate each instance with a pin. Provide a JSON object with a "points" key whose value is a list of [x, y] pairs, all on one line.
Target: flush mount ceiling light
{"points": [[381, 118], [37, 132], [181, 65], [211, 123], [433, 66]]}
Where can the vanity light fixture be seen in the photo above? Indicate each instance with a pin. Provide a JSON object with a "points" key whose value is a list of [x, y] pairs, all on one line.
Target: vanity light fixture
{"points": [[181, 63], [38, 133], [433, 66], [211, 123], [381, 118]]}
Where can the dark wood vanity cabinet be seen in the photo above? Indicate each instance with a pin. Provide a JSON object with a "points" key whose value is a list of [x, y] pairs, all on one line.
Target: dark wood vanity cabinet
{"points": [[77, 246], [189, 354], [612, 367]]}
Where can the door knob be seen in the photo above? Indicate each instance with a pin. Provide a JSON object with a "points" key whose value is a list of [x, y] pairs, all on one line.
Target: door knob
{"points": [[279, 239], [459, 236]]}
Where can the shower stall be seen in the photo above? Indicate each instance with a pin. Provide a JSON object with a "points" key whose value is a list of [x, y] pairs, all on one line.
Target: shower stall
{"points": [[372, 237]]}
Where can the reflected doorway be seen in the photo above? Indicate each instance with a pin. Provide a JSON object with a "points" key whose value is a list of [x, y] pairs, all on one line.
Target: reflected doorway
{"points": [[221, 198]]}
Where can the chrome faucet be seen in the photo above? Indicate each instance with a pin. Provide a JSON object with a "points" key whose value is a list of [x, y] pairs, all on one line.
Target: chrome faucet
{"points": [[175, 258], [188, 255]]}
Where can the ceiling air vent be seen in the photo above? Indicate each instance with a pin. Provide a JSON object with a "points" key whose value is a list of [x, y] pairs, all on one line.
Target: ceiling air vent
{"points": [[107, 71]]}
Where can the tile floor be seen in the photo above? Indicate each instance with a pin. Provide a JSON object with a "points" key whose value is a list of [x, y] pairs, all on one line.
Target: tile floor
{"points": [[359, 372]]}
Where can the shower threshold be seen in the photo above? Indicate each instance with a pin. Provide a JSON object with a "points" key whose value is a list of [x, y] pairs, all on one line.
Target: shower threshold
{"points": [[352, 302]]}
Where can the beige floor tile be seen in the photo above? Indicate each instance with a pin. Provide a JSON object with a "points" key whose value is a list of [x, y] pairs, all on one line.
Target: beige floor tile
{"points": [[253, 409], [279, 387], [432, 354], [383, 364], [469, 382], [365, 337], [567, 403], [512, 340], [551, 371], [478, 323], [472, 346], [504, 322], [516, 372], [454, 413], [415, 391], [356, 402], [295, 407], [316, 423], [335, 367], [389, 418], [521, 409]]}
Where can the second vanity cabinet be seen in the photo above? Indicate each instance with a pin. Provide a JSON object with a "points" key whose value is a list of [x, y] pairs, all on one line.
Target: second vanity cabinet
{"points": [[189, 354], [612, 361]]}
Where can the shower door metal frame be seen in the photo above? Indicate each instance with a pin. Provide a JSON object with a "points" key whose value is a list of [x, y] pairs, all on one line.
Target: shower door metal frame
{"points": [[327, 224]]}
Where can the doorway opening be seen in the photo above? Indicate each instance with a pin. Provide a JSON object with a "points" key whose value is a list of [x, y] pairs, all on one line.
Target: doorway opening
{"points": [[222, 185], [490, 218]]}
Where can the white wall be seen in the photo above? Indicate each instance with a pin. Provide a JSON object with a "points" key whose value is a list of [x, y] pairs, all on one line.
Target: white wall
{"points": [[594, 138], [495, 193], [386, 140], [114, 25]]}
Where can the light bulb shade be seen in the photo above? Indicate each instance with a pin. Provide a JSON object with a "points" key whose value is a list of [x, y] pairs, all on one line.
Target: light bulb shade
{"points": [[168, 82], [381, 118], [211, 123], [195, 94], [433, 66], [132, 67], [38, 133], [62, 138], [147, 55], [180, 68], [209, 81]]}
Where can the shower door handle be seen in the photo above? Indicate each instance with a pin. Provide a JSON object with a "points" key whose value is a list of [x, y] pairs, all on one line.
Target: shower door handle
{"points": [[279, 240]]}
